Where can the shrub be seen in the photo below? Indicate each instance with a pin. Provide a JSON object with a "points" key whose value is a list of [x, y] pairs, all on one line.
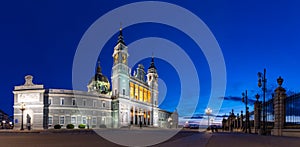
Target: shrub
{"points": [[70, 126], [81, 126], [57, 126]]}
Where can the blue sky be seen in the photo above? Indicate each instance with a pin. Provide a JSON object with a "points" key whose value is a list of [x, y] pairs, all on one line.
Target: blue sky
{"points": [[41, 37]]}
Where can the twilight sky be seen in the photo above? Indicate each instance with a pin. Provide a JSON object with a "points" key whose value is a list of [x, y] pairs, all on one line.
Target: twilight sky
{"points": [[41, 37]]}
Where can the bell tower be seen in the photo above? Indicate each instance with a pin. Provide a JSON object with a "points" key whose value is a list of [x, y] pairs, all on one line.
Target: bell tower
{"points": [[120, 69], [152, 80]]}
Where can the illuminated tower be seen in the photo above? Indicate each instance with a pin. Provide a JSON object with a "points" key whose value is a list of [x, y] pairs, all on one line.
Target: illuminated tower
{"points": [[152, 80], [120, 69], [120, 81]]}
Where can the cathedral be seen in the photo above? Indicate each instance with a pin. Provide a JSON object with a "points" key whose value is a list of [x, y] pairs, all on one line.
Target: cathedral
{"points": [[127, 100]]}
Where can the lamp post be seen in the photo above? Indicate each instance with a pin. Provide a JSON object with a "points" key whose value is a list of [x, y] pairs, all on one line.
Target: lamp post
{"points": [[22, 109], [245, 100], [208, 112], [257, 112], [3, 123], [10, 125], [88, 122], [262, 83]]}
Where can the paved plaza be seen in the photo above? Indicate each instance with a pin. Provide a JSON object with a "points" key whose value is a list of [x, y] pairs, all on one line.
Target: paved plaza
{"points": [[186, 138]]}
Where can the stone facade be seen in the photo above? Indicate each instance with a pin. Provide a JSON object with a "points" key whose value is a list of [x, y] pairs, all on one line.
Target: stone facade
{"points": [[132, 99], [33, 96], [135, 98]]}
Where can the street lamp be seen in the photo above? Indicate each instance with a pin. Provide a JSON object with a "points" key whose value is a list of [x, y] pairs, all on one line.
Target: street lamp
{"points": [[3, 124], [10, 125], [88, 122], [245, 100], [258, 113], [22, 109], [208, 112], [262, 83]]}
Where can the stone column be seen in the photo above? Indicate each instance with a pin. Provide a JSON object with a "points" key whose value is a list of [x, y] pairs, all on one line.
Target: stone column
{"points": [[133, 115], [138, 116], [151, 117], [142, 116], [242, 121], [279, 108], [147, 116], [257, 115]]}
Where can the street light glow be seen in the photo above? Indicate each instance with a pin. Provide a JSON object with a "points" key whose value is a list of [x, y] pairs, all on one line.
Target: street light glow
{"points": [[208, 111]]}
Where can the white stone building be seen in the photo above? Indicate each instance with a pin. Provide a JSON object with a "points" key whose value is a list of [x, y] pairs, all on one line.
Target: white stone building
{"points": [[130, 100]]}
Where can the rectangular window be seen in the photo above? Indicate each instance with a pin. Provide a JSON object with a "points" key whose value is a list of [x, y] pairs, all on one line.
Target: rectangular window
{"points": [[136, 92], [141, 93], [50, 101], [62, 120], [131, 90], [73, 101], [94, 120], [83, 120], [124, 92], [149, 97], [103, 104], [94, 103], [84, 102], [73, 120], [50, 120], [145, 95], [62, 101]]}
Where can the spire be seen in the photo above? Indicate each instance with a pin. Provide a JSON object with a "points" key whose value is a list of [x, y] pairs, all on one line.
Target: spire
{"points": [[120, 38], [152, 63], [98, 68]]}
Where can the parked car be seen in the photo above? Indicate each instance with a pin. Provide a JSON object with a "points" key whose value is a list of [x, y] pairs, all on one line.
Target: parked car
{"points": [[194, 126]]}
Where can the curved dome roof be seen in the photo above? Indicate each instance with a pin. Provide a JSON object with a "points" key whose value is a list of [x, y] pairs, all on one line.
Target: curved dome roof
{"points": [[99, 77], [99, 82]]}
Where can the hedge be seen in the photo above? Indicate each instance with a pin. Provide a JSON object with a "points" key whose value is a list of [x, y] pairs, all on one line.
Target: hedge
{"points": [[70, 126], [57, 126], [81, 126]]}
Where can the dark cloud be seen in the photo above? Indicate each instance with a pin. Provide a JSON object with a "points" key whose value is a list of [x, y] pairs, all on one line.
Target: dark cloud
{"points": [[199, 116], [237, 99]]}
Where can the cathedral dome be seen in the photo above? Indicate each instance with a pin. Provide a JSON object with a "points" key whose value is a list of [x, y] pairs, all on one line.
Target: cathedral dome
{"points": [[100, 77], [99, 82]]}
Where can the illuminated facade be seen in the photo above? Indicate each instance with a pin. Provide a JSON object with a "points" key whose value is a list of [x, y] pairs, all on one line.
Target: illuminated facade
{"points": [[128, 100], [135, 97], [44, 108]]}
